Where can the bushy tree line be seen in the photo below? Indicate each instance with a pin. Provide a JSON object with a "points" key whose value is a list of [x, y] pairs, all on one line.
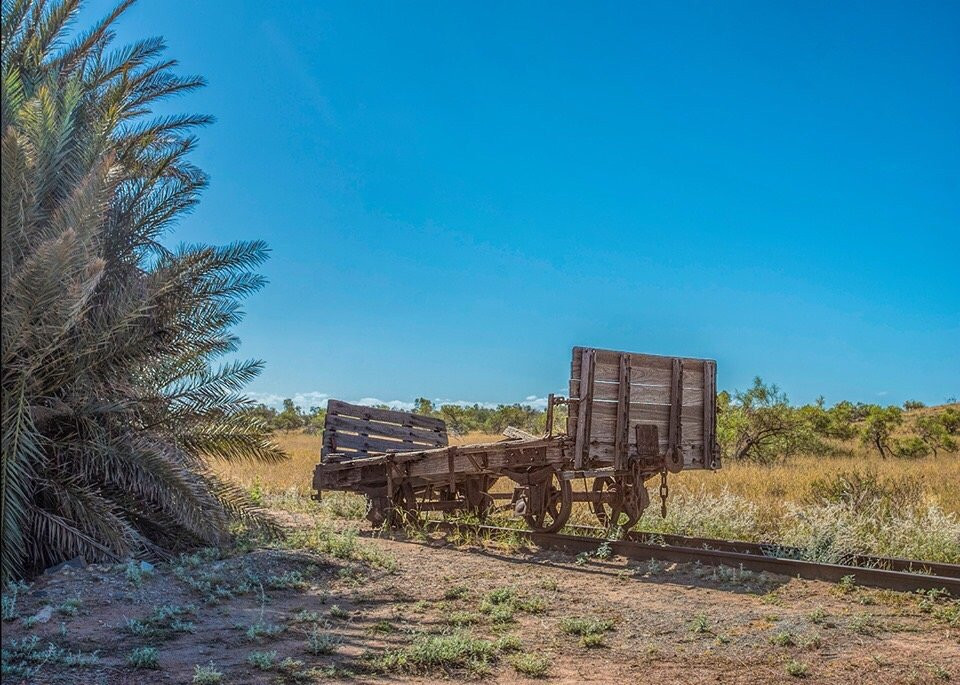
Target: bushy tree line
{"points": [[759, 424], [460, 420], [291, 417], [493, 420]]}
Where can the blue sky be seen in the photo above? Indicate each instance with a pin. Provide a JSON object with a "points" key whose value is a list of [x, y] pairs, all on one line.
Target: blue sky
{"points": [[457, 193]]}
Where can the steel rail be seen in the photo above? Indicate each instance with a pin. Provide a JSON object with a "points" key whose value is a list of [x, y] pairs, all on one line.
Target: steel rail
{"points": [[770, 549], [642, 551]]}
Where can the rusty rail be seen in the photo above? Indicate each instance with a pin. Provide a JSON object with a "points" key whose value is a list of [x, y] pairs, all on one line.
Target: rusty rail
{"points": [[770, 549], [900, 580]]}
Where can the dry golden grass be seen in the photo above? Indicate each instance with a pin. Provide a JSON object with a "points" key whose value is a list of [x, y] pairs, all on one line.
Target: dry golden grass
{"points": [[768, 486], [913, 511]]}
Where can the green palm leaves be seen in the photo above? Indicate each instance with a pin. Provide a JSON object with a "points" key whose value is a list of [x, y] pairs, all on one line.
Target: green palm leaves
{"points": [[112, 407]]}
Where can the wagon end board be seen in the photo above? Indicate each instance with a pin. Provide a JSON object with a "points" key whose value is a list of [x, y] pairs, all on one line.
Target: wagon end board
{"points": [[612, 391], [354, 431]]}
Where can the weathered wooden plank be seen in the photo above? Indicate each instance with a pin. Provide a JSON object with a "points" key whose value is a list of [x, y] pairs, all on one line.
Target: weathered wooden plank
{"points": [[607, 363], [347, 442], [621, 437], [603, 434], [550, 414], [435, 465], [573, 392], [515, 433], [386, 430], [605, 414], [585, 408], [401, 418], [646, 376], [709, 409], [652, 394], [329, 445], [604, 453]]}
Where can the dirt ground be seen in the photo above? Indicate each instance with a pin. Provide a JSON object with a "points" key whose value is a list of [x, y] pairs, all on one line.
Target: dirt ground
{"points": [[365, 609]]}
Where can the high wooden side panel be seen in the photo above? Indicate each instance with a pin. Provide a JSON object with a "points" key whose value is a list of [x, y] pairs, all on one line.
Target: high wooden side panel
{"points": [[657, 388]]}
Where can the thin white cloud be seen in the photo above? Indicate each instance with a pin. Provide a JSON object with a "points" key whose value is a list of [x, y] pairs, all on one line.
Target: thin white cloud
{"points": [[268, 398], [393, 404], [300, 399], [311, 399]]}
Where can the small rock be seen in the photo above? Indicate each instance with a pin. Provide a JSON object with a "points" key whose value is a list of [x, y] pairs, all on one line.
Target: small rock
{"points": [[76, 562], [44, 615]]}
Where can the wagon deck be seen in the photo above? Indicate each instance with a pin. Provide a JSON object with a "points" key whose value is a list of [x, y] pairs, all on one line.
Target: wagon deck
{"points": [[630, 417]]}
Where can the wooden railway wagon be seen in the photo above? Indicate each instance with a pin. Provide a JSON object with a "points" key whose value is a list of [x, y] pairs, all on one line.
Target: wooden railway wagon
{"points": [[631, 417]]}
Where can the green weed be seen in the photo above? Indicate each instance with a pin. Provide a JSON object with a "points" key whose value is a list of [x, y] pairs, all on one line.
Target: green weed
{"points": [[207, 675], [797, 669], [439, 652], [700, 624], [456, 592], [262, 660], [582, 627], [533, 665], [336, 612], [263, 630], [162, 623], [783, 639], [143, 657], [592, 640], [321, 642]]}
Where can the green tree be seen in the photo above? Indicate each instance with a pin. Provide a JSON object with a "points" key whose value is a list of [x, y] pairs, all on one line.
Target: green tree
{"points": [[267, 416], [910, 447], [935, 431], [835, 422], [314, 419], [112, 406], [759, 424], [290, 417], [422, 405], [950, 419], [878, 427], [456, 418]]}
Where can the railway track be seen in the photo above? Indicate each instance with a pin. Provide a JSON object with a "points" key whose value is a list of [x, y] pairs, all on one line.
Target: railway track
{"points": [[904, 575]]}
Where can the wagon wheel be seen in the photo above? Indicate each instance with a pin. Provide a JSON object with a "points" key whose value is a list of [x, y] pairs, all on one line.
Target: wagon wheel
{"points": [[549, 504], [628, 500]]}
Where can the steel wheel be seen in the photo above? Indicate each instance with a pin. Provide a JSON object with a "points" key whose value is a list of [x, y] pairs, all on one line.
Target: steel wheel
{"points": [[626, 503], [549, 504]]}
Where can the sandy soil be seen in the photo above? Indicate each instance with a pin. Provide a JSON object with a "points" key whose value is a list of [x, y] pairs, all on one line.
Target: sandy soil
{"points": [[670, 624]]}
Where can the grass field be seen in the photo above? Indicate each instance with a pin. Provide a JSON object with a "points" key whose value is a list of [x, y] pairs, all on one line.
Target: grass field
{"points": [[826, 505]]}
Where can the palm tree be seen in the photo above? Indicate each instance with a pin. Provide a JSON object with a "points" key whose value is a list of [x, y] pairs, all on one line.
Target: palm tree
{"points": [[113, 408]]}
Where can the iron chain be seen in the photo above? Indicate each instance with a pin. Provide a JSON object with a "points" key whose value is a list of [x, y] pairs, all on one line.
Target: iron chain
{"points": [[664, 492]]}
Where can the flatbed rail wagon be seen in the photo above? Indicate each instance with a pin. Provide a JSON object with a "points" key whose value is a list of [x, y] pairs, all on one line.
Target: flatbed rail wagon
{"points": [[630, 417]]}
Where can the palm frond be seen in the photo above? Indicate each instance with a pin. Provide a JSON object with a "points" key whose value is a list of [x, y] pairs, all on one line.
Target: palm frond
{"points": [[113, 402]]}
